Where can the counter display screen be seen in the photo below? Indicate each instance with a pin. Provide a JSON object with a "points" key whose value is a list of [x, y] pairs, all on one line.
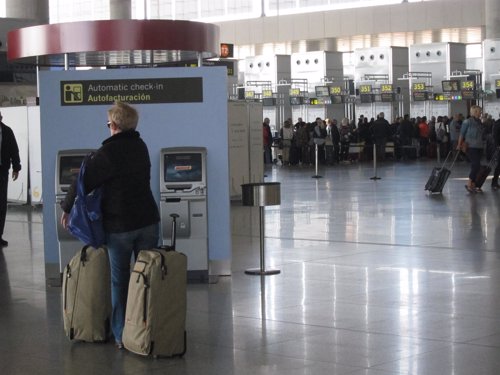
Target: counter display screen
{"points": [[468, 90], [296, 100], [387, 97], [468, 85], [365, 89], [183, 167], [69, 167], [249, 94], [335, 90], [420, 96], [497, 83], [337, 99], [450, 86], [267, 93], [322, 91], [268, 102], [386, 88], [418, 86], [294, 92], [366, 98]]}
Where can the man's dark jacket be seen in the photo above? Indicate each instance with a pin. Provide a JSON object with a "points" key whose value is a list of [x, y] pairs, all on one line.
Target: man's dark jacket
{"points": [[10, 151], [122, 167]]}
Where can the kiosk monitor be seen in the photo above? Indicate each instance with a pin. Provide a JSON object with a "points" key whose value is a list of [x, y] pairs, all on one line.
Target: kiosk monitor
{"points": [[182, 167], [68, 164], [69, 167]]}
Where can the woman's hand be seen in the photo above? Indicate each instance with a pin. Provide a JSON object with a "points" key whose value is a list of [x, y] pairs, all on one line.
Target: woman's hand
{"points": [[65, 220]]}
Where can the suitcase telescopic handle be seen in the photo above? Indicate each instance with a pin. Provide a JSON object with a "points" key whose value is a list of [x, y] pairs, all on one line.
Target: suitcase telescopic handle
{"points": [[455, 154]]}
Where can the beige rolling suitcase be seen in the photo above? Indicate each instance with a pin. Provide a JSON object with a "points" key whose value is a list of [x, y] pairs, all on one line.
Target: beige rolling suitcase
{"points": [[155, 318], [87, 296]]}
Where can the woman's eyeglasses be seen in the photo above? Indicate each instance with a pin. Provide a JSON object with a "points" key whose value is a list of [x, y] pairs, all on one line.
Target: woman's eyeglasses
{"points": [[108, 124]]}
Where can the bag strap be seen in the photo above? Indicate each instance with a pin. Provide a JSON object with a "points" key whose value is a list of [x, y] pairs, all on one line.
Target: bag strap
{"points": [[80, 186], [83, 255]]}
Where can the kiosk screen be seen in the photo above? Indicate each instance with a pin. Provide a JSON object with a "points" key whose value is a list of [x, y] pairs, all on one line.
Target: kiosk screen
{"points": [[69, 167], [183, 167]]}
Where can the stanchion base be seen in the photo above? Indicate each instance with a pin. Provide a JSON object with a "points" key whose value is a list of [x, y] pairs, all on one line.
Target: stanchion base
{"points": [[316, 176], [375, 178], [258, 271]]}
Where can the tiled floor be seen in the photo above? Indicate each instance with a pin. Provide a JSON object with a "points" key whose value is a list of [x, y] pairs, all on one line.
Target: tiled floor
{"points": [[377, 278]]}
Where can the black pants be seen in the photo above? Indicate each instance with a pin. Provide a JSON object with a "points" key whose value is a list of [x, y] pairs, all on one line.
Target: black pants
{"points": [[496, 172], [4, 181], [474, 155]]}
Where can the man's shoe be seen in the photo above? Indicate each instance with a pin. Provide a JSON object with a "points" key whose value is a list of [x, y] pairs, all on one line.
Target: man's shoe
{"points": [[3, 243]]}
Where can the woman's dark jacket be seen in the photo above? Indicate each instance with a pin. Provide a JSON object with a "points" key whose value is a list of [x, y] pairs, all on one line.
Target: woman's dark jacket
{"points": [[122, 167]]}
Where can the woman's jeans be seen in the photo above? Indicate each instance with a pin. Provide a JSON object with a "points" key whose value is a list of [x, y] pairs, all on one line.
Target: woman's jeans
{"points": [[121, 246], [474, 155]]}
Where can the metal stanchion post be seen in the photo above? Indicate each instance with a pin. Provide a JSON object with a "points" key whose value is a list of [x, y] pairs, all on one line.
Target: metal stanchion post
{"points": [[375, 177], [261, 195], [316, 159]]}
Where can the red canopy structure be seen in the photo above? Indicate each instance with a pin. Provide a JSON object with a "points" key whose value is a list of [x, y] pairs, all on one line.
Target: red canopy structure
{"points": [[113, 43]]}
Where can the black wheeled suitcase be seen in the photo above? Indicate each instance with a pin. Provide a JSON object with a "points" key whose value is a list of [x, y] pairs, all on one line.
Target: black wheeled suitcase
{"points": [[485, 170], [87, 296], [439, 175], [155, 318], [482, 175]]}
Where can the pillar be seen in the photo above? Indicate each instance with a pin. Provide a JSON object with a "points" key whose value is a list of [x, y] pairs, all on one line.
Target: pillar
{"points": [[492, 19], [120, 9], [28, 9]]}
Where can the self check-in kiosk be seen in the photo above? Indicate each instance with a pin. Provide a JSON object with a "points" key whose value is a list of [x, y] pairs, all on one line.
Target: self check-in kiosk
{"points": [[183, 191], [68, 164]]}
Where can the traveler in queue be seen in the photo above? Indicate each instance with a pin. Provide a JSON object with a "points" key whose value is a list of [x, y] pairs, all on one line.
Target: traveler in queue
{"points": [[130, 214]]}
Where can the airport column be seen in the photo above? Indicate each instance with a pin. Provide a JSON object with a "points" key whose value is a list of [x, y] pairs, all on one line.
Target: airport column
{"points": [[120, 9], [28, 9], [492, 18]]}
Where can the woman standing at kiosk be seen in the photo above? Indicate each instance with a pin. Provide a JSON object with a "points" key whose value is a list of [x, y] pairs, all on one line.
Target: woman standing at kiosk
{"points": [[130, 214]]}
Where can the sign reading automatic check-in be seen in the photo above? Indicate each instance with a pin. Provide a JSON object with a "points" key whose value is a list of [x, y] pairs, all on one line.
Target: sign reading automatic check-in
{"points": [[133, 91]]}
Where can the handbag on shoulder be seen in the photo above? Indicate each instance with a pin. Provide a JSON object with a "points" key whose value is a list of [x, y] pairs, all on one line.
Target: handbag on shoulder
{"points": [[85, 218]]}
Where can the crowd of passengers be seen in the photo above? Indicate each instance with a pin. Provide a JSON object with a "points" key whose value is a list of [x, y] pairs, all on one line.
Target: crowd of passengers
{"points": [[405, 139]]}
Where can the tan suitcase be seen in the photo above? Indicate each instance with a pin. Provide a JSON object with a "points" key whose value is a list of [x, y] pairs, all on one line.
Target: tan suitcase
{"points": [[155, 319], [87, 296]]}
